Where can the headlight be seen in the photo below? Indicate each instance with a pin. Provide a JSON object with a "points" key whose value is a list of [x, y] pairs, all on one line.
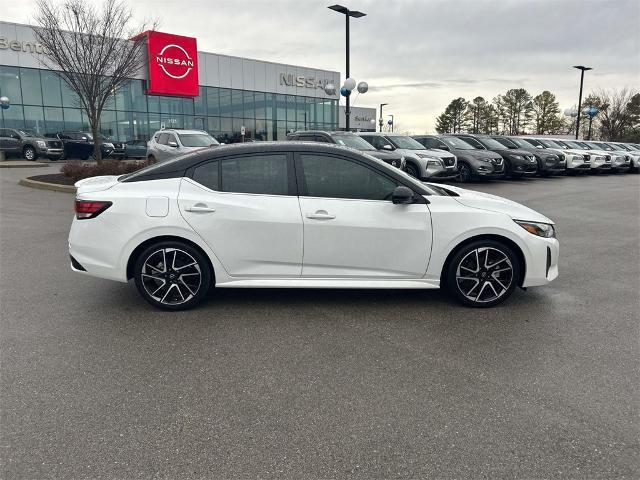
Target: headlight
{"points": [[517, 157], [41, 143], [485, 159], [545, 230]]}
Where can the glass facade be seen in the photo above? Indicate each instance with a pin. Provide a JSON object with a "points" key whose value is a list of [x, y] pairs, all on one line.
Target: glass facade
{"points": [[41, 102]]}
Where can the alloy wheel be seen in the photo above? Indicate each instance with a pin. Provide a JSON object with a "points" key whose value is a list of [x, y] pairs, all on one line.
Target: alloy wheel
{"points": [[171, 276], [464, 172], [29, 154], [411, 170], [484, 275]]}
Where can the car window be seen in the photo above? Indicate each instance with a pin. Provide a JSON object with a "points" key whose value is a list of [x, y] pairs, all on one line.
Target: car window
{"points": [[163, 138], [321, 139], [171, 138], [306, 138], [335, 177], [207, 175], [264, 174], [473, 142], [3, 133], [377, 142], [434, 143], [196, 140]]}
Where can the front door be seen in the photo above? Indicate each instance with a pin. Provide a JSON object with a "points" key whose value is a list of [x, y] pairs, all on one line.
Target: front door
{"points": [[351, 226], [246, 209]]}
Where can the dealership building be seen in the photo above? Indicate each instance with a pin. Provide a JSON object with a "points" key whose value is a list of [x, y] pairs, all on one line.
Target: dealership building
{"points": [[176, 88]]}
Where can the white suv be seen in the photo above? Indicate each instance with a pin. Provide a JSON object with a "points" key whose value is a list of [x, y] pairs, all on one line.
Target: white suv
{"points": [[171, 143]]}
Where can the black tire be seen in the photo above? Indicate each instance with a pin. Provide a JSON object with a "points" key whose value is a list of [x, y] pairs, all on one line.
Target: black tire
{"points": [[183, 285], [30, 153], [151, 159], [412, 170], [459, 277], [465, 174]]}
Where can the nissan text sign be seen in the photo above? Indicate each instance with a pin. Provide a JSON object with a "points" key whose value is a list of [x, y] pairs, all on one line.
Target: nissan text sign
{"points": [[173, 65]]}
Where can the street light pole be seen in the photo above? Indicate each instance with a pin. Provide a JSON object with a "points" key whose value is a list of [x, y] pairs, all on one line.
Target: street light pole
{"points": [[381, 122], [582, 70], [355, 14]]}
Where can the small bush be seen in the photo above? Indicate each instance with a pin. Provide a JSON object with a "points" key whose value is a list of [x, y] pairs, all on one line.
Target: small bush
{"points": [[77, 170]]}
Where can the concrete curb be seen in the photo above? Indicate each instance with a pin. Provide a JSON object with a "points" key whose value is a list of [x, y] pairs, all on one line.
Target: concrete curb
{"points": [[26, 182], [10, 164]]}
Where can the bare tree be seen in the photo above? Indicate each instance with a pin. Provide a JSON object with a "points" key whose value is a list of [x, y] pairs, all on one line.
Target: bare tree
{"points": [[87, 46], [619, 113]]}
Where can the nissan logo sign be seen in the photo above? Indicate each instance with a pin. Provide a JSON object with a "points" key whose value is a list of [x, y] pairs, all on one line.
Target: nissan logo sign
{"points": [[175, 61]]}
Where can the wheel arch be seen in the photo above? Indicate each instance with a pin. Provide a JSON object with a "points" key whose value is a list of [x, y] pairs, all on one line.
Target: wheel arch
{"points": [[131, 261], [487, 236]]}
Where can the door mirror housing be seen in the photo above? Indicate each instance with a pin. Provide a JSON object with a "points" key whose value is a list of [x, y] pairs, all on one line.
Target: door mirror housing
{"points": [[388, 147], [402, 195], [444, 147], [173, 144]]}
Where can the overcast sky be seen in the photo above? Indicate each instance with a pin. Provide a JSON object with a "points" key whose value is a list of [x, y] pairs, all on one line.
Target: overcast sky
{"points": [[417, 55]]}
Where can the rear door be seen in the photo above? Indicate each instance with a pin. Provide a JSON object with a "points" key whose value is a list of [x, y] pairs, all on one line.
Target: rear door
{"points": [[352, 229], [246, 208]]}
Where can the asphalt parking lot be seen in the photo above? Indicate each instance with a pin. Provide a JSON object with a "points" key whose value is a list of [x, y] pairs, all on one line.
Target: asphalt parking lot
{"points": [[325, 384]]}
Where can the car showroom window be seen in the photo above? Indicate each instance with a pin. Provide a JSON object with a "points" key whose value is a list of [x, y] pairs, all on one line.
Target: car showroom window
{"points": [[334, 177], [207, 175], [263, 174]]}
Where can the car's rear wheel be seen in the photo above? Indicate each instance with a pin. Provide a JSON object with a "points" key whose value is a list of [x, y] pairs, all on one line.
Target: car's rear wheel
{"points": [[464, 173], [30, 153], [172, 275], [483, 273]]}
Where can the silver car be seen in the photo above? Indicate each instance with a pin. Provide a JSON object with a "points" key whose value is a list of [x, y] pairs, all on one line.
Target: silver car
{"points": [[422, 163], [170, 143]]}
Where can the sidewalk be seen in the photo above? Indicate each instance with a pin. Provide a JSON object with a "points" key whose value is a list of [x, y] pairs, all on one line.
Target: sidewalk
{"points": [[23, 164]]}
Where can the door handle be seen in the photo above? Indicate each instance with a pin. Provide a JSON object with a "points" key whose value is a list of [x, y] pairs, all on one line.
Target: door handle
{"points": [[200, 209], [321, 215]]}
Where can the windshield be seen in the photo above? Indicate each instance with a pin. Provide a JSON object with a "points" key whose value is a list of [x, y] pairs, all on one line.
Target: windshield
{"points": [[353, 141], [491, 144], [549, 143], [197, 140], [24, 134], [603, 146], [620, 146], [579, 146], [524, 143], [455, 142], [405, 142], [507, 142]]}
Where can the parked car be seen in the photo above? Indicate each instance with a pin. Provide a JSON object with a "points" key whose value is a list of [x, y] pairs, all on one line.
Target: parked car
{"points": [[473, 164], [80, 145], [549, 162], [632, 151], [600, 160], [118, 147], [242, 216], [577, 161], [620, 159], [422, 164], [170, 143], [15, 142], [518, 163], [135, 149], [351, 140]]}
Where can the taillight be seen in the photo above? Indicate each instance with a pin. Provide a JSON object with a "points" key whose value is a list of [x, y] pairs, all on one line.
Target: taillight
{"points": [[90, 208]]}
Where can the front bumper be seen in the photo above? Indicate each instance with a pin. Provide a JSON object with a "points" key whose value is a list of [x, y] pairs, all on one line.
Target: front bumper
{"points": [[447, 173], [50, 152], [542, 265]]}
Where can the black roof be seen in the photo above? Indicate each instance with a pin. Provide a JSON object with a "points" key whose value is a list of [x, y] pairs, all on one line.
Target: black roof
{"points": [[178, 166]]}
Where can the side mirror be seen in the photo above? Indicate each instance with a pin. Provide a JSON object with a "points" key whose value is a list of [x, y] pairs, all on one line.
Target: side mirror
{"points": [[402, 195], [173, 144], [388, 148], [444, 147]]}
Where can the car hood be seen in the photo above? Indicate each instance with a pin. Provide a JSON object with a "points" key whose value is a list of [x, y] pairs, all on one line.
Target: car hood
{"points": [[494, 203], [475, 153], [513, 151], [436, 153]]}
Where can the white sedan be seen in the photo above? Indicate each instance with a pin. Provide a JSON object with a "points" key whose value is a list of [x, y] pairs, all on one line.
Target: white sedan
{"points": [[294, 215]]}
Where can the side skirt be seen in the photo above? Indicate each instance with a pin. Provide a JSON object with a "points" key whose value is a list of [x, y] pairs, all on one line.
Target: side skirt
{"points": [[385, 283]]}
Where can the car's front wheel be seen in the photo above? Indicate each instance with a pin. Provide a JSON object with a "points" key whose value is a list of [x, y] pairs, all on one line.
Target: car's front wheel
{"points": [[483, 273], [173, 275], [412, 170], [30, 153], [464, 173]]}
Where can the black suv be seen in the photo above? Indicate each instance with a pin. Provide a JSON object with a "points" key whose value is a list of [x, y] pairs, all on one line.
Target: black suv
{"points": [[348, 139], [473, 164], [549, 161], [80, 145], [518, 163], [28, 145]]}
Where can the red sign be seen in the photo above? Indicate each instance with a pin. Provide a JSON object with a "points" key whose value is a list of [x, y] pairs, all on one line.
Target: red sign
{"points": [[173, 65]]}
